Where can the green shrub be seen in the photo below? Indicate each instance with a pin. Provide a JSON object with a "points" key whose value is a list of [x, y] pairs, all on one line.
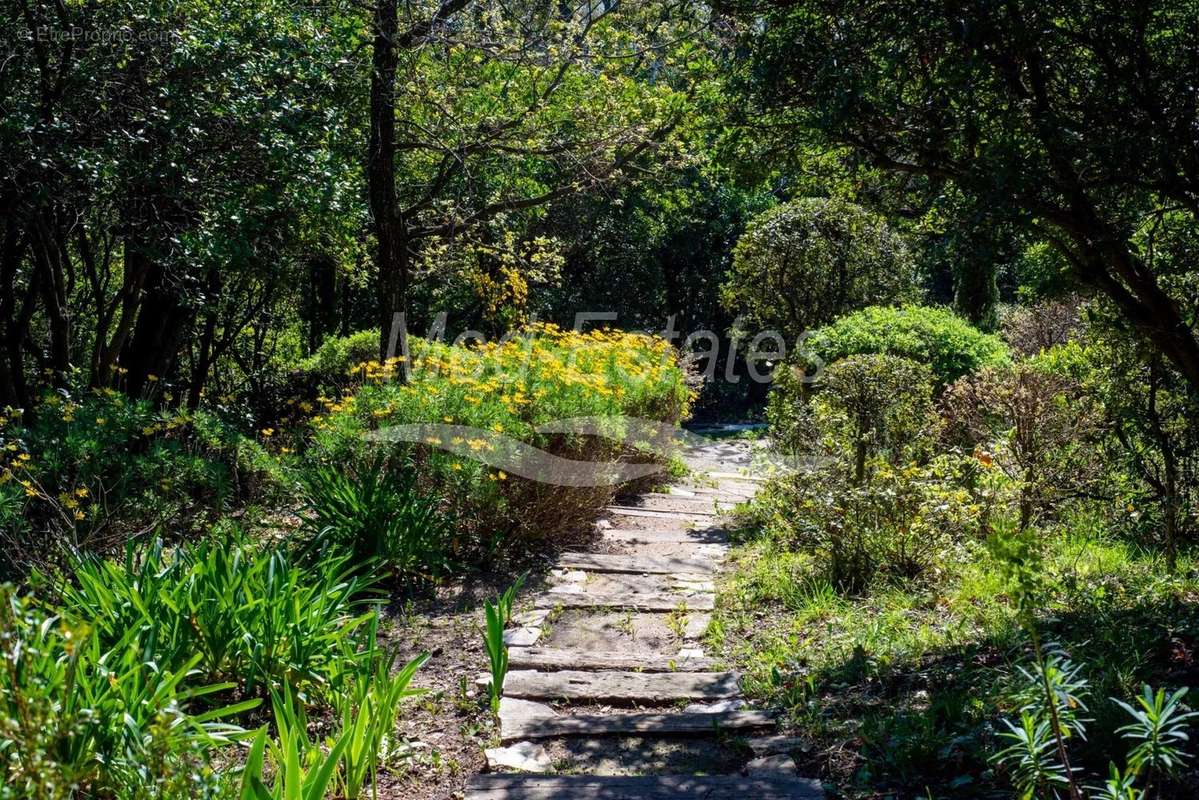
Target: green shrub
{"points": [[81, 716], [949, 345], [805, 263], [1039, 429], [376, 516], [869, 502], [84, 472], [864, 406], [903, 523], [331, 367], [506, 389]]}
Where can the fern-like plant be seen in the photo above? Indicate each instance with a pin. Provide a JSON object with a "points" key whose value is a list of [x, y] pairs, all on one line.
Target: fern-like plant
{"points": [[368, 707], [302, 770], [1159, 730], [376, 516], [497, 615]]}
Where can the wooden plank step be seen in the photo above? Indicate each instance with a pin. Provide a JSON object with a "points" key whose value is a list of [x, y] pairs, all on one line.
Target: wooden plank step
{"points": [[691, 516], [683, 723], [649, 601], [554, 659], [640, 787], [680, 535], [606, 562], [621, 687]]}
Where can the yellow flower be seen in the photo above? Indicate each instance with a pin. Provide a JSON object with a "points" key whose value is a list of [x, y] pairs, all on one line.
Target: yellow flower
{"points": [[152, 378], [268, 432], [79, 514], [503, 475], [81, 491], [101, 421]]}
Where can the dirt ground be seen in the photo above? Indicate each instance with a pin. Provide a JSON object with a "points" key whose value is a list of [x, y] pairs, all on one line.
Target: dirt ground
{"points": [[443, 732]]}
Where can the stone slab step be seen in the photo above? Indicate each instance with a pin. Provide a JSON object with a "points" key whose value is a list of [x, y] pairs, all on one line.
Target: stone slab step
{"points": [[516, 726], [550, 658], [683, 505], [736, 476], [576, 581], [648, 513], [640, 787], [703, 493], [650, 601], [621, 687], [715, 553], [604, 562], [680, 535], [729, 492]]}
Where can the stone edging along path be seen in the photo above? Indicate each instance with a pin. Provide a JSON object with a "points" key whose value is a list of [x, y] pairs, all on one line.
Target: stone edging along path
{"points": [[610, 695]]}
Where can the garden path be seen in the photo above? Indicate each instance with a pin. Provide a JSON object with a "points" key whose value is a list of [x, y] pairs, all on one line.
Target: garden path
{"points": [[610, 693]]}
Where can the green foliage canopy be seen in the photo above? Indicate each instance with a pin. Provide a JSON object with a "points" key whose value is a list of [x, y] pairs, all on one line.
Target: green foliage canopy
{"points": [[933, 336], [805, 263]]}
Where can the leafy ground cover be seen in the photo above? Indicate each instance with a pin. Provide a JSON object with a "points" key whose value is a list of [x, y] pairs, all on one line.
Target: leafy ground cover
{"points": [[971, 585], [262, 654], [902, 689]]}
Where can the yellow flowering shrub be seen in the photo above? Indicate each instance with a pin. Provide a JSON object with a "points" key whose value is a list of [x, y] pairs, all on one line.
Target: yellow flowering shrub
{"points": [[87, 469], [509, 387]]}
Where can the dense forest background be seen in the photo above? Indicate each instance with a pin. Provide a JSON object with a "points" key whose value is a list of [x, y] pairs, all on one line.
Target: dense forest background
{"points": [[947, 252], [203, 194]]}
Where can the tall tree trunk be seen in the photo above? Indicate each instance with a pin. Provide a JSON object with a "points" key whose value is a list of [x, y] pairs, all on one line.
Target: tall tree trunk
{"points": [[13, 391], [47, 259], [151, 354], [320, 298], [391, 240], [204, 356], [138, 266], [976, 294]]}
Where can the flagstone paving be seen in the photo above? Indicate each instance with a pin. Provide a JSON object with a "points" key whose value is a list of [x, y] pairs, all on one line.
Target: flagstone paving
{"points": [[611, 695]]}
